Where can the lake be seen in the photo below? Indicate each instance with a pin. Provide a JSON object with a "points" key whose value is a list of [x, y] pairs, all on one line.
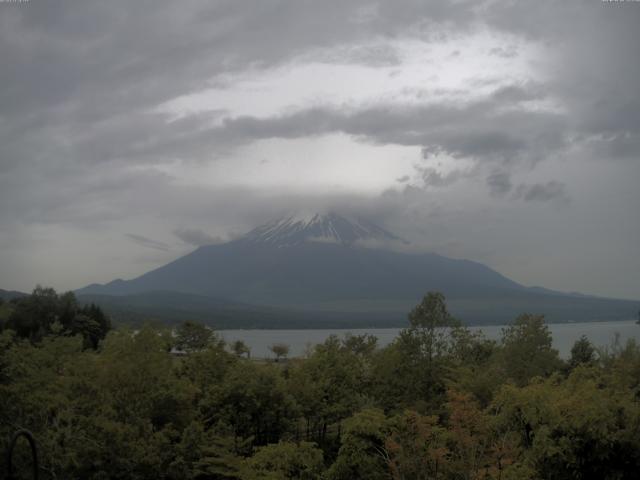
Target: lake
{"points": [[564, 335]]}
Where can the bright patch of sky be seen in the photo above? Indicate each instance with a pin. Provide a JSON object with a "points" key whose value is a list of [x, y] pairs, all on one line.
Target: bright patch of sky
{"points": [[333, 162], [459, 68], [424, 72]]}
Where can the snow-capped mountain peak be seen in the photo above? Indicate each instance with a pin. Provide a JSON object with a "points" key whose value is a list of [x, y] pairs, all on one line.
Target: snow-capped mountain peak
{"points": [[329, 228]]}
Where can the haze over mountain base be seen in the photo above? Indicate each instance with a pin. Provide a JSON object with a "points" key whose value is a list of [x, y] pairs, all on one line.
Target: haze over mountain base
{"points": [[329, 270]]}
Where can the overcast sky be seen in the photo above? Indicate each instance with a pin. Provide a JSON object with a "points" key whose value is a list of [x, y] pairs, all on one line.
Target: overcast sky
{"points": [[502, 132]]}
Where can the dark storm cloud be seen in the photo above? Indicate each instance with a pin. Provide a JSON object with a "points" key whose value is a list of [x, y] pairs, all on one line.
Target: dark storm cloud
{"points": [[84, 78], [91, 51], [593, 64], [81, 80], [82, 143], [484, 130], [595, 82]]}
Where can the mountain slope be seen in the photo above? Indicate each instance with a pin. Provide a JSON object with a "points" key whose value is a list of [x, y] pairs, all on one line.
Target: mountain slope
{"points": [[309, 273], [11, 294], [318, 264]]}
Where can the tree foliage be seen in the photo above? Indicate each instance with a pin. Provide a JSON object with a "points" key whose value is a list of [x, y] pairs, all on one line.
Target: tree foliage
{"points": [[193, 336], [582, 353], [285, 460], [440, 402], [240, 348], [527, 349], [44, 312], [280, 350]]}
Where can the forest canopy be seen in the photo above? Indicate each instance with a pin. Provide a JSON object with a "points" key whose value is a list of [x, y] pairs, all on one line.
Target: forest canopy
{"points": [[439, 402]]}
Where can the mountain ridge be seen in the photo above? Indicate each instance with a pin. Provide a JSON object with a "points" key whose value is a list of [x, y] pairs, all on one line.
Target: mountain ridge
{"points": [[325, 264]]}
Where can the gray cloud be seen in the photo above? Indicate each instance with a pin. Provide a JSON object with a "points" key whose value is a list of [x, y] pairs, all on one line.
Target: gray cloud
{"points": [[380, 55], [196, 237], [147, 242], [434, 178], [543, 192], [508, 52], [499, 184], [481, 129], [82, 147], [519, 93], [90, 101]]}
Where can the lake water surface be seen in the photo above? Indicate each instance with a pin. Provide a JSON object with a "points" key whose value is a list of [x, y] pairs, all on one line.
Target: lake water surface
{"points": [[564, 335]]}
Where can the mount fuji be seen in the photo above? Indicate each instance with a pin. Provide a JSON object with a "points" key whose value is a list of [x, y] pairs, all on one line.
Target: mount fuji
{"points": [[331, 228], [319, 270]]}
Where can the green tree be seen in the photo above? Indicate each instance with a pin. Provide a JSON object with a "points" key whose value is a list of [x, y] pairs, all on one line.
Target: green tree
{"points": [[33, 315], [413, 370], [45, 312], [280, 350], [468, 432], [453, 406], [430, 321], [218, 458], [126, 409], [207, 369], [476, 363], [253, 401], [193, 336], [328, 386], [582, 352], [5, 312], [527, 349], [416, 448], [362, 453], [622, 363], [285, 460], [363, 345], [95, 313], [573, 428], [67, 309], [204, 453], [240, 348]]}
